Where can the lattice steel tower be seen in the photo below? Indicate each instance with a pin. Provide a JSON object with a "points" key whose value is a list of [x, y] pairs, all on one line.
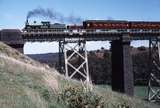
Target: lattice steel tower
{"points": [[154, 70], [75, 59]]}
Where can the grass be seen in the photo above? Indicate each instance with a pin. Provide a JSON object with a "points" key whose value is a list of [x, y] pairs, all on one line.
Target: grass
{"points": [[114, 99], [22, 87], [25, 83]]}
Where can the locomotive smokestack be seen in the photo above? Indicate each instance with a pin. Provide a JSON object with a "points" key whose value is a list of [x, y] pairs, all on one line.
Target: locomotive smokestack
{"points": [[27, 23]]}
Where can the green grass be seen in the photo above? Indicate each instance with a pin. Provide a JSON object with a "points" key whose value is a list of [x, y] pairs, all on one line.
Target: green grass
{"points": [[113, 99], [139, 91]]}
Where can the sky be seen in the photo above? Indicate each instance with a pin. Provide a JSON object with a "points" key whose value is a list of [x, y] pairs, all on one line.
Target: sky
{"points": [[13, 14]]}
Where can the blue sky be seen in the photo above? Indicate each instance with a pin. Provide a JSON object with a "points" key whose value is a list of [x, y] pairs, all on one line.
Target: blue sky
{"points": [[13, 12]]}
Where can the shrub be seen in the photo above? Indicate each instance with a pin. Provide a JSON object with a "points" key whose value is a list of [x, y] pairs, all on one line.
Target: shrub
{"points": [[77, 97]]}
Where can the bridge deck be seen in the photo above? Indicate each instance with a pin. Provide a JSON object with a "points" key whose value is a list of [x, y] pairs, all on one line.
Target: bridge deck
{"points": [[89, 36]]}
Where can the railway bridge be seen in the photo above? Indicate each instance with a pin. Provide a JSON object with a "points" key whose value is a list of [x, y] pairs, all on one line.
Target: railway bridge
{"points": [[122, 73]]}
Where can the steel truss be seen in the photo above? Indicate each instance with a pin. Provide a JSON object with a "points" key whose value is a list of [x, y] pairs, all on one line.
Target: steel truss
{"points": [[154, 78], [75, 59]]}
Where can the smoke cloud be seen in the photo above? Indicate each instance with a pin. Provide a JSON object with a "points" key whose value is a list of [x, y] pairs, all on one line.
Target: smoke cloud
{"points": [[54, 15]]}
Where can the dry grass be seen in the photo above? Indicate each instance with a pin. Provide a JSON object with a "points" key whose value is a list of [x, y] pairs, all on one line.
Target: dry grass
{"points": [[36, 98], [10, 52], [25, 83]]}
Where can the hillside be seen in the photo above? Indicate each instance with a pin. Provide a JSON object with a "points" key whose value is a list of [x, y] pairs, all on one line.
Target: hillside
{"points": [[50, 59], [25, 83]]}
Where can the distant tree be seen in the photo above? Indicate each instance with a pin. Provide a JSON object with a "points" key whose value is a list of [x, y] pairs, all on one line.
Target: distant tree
{"points": [[102, 48], [141, 48]]}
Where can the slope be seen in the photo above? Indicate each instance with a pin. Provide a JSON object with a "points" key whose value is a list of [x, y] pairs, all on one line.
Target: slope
{"points": [[25, 83]]}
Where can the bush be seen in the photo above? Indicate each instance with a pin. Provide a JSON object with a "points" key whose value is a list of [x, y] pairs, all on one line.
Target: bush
{"points": [[77, 97]]}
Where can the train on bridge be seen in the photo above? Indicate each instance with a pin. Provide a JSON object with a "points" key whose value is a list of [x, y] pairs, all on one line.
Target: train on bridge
{"points": [[104, 26]]}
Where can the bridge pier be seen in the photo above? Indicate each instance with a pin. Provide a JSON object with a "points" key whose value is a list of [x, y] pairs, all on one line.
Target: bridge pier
{"points": [[18, 47], [13, 38], [122, 74]]}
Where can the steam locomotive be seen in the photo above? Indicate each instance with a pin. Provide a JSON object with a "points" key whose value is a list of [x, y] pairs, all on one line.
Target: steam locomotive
{"points": [[45, 26], [95, 26]]}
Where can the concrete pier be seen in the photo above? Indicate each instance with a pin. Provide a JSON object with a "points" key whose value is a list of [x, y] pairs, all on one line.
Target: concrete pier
{"points": [[122, 72], [13, 38]]}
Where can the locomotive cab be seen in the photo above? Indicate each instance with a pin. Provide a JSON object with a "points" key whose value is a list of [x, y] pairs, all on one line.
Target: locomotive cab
{"points": [[45, 23]]}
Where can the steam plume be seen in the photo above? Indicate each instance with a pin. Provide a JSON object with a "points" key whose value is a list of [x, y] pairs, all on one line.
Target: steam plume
{"points": [[53, 15]]}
